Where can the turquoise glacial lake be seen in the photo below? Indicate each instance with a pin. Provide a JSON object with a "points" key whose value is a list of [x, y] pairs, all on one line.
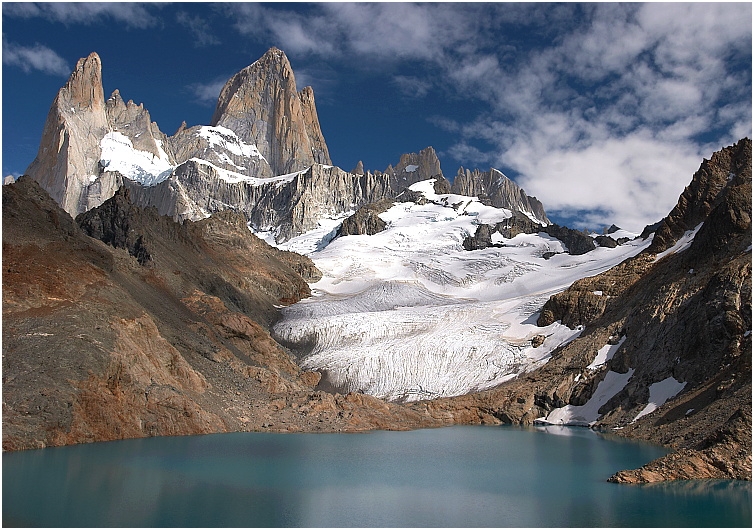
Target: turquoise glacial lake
{"points": [[450, 477]]}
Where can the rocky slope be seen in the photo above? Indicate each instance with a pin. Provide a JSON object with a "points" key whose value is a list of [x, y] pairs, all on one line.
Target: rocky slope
{"points": [[162, 330], [665, 350]]}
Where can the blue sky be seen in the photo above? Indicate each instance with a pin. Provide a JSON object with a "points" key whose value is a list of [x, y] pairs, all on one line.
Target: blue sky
{"points": [[603, 111]]}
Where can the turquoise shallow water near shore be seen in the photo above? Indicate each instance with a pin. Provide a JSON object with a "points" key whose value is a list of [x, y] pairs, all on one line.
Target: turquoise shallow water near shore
{"points": [[450, 477]]}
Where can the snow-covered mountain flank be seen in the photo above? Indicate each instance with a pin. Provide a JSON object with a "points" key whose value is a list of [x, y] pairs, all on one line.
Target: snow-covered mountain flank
{"points": [[234, 279]]}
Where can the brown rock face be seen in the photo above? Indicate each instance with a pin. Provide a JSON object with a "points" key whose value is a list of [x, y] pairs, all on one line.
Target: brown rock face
{"points": [[704, 193], [261, 105], [685, 316], [100, 345], [69, 149]]}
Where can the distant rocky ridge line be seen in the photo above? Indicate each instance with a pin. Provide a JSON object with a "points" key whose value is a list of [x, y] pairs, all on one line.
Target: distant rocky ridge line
{"points": [[263, 155]]}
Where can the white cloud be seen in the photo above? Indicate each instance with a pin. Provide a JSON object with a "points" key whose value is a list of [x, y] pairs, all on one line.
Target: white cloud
{"points": [[288, 30], [411, 86], [37, 57], [607, 117], [198, 27], [469, 156], [132, 14], [378, 31], [631, 181], [207, 93], [595, 106], [319, 77]]}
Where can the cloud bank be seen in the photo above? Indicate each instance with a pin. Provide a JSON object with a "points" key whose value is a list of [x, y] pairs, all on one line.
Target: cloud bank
{"points": [[132, 15], [603, 111]]}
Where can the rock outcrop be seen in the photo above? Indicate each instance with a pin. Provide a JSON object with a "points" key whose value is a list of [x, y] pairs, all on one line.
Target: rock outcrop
{"points": [[495, 189], [413, 168], [366, 220], [481, 239], [220, 147], [576, 242], [287, 206], [134, 122], [704, 193], [262, 106]]}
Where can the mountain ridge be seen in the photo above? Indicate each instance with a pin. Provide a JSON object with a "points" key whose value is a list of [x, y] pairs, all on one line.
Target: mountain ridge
{"points": [[262, 128]]}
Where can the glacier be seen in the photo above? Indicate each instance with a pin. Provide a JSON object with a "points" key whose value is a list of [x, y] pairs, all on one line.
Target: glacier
{"points": [[408, 314]]}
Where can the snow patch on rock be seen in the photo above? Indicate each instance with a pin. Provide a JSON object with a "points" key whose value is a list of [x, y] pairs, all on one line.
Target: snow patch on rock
{"points": [[682, 244], [228, 140], [606, 353], [587, 414], [659, 394]]}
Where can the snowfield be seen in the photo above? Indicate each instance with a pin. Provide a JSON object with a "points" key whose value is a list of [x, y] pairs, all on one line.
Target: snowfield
{"points": [[408, 314], [119, 154]]}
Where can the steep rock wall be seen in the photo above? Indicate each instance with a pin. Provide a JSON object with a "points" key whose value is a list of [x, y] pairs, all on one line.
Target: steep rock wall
{"points": [[69, 149], [499, 190], [262, 106]]}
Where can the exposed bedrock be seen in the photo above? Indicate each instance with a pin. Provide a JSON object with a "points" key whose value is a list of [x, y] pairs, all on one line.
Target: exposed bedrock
{"points": [[262, 106], [498, 190], [366, 220]]}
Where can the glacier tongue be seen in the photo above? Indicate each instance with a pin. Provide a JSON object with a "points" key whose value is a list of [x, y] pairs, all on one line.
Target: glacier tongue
{"points": [[407, 314]]}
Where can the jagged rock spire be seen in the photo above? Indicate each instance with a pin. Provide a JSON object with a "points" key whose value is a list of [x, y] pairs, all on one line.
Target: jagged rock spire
{"points": [[84, 86], [69, 149], [262, 106], [499, 190], [415, 167]]}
